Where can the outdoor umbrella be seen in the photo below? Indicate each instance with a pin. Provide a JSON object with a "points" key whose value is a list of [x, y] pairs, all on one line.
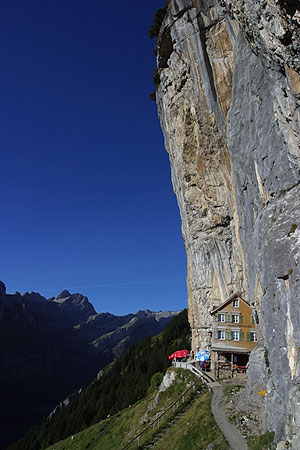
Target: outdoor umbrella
{"points": [[202, 355], [179, 354]]}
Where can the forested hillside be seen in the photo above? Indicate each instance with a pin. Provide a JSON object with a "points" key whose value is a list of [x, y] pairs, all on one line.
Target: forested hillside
{"points": [[119, 385]]}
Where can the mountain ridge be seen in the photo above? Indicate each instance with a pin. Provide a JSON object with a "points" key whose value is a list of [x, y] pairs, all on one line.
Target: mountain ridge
{"points": [[52, 347]]}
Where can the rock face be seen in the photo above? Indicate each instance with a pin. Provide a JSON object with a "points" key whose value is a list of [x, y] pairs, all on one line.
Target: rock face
{"points": [[51, 348], [228, 103]]}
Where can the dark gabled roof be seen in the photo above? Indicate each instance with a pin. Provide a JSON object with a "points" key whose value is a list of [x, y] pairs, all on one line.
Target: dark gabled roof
{"points": [[237, 294]]}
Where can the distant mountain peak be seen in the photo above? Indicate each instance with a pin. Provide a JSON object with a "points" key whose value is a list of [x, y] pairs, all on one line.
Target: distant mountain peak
{"points": [[33, 297], [157, 315], [63, 294], [75, 306]]}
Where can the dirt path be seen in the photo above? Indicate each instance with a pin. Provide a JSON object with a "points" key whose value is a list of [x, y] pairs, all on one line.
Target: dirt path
{"points": [[232, 434]]}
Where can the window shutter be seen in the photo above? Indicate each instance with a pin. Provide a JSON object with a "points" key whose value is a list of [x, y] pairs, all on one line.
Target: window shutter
{"points": [[241, 335], [241, 318], [228, 335], [216, 318], [252, 319], [216, 334], [248, 336], [228, 318]]}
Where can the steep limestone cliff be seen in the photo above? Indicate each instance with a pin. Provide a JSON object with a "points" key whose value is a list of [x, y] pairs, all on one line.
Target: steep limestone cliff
{"points": [[228, 103]]}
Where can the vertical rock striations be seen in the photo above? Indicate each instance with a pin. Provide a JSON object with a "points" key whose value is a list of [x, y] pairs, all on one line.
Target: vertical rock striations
{"points": [[228, 103]]}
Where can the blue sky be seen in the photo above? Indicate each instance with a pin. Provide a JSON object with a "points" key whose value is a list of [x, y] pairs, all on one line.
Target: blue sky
{"points": [[86, 195]]}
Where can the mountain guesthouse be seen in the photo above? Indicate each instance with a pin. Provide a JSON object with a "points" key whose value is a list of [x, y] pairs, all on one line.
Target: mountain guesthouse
{"points": [[234, 335]]}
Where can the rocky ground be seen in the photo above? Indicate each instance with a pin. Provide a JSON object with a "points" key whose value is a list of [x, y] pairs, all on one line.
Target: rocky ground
{"points": [[239, 412]]}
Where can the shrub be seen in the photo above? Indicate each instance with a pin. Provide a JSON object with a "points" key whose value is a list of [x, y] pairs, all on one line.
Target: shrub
{"points": [[292, 229], [267, 357], [156, 77], [153, 32], [156, 379], [157, 21], [261, 442]]}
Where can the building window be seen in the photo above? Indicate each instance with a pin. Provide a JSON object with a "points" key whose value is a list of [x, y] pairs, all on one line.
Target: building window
{"points": [[221, 335], [235, 335], [221, 317], [253, 337], [235, 318], [235, 302]]}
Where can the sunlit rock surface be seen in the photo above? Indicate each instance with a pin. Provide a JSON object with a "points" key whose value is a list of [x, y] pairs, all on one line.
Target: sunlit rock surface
{"points": [[228, 103]]}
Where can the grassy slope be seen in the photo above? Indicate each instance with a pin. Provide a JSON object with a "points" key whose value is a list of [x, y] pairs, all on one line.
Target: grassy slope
{"points": [[195, 429]]}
